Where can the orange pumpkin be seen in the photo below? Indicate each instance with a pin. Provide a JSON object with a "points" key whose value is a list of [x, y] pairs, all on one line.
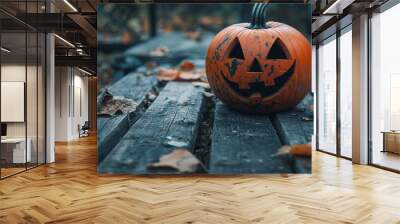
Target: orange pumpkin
{"points": [[259, 67]]}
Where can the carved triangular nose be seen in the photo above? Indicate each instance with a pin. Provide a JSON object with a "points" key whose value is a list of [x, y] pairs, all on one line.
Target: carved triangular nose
{"points": [[255, 66]]}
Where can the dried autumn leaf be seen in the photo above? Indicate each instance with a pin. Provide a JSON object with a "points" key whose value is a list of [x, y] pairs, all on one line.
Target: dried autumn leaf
{"points": [[159, 51], [190, 76], [168, 74], [186, 65], [298, 150], [117, 105], [179, 159]]}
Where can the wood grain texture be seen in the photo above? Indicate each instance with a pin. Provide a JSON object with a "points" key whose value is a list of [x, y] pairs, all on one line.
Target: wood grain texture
{"points": [[134, 86], [295, 127], [243, 143], [70, 191], [178, 45], [170, 122]]}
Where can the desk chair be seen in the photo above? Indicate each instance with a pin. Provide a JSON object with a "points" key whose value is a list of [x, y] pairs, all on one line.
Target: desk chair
{"points": [[84, 130]]}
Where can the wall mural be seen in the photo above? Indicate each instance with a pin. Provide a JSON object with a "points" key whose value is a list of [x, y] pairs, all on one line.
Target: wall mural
{"points": [[193, 89]]}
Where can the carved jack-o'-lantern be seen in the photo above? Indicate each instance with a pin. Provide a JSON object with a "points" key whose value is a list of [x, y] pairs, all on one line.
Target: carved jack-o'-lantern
{"points": [[259, 67]]}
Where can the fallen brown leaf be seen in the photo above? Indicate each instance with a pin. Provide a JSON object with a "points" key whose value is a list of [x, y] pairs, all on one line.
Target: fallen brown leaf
{"points": [[179, 159], [117, 105], [159, 51], [298, 150], [168, 74], [190, 76], [186, 65]]}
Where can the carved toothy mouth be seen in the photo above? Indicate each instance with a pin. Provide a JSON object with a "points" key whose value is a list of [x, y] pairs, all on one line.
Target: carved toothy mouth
{"points": [[259, 87]]}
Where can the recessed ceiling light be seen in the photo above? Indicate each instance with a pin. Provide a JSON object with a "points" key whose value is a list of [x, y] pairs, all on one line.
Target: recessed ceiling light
{"points": [[338, 6], [70, 5], [5, 50], [65, 41], [84, 71]]}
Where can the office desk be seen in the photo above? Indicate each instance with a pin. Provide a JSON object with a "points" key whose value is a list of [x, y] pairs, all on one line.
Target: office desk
{"points": [[13, 150]]}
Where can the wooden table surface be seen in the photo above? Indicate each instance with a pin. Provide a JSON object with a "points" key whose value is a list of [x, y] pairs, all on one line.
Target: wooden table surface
{"points": [[240, 143]]}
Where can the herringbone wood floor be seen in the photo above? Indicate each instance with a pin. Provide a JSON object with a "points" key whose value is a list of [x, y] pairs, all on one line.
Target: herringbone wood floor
{"points": [[70, 191]]}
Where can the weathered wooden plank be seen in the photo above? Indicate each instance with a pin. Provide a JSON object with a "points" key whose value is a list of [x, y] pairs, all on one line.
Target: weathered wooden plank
{"points": [[110, 133], [293, 127], [168, 40], [134, 86], [177, 43], [170, 122], [296, 127], [243, 143]]}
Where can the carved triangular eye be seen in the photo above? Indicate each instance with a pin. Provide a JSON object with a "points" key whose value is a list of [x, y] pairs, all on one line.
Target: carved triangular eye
{"points": [[236, 51], [277, 51], [255, 66]]}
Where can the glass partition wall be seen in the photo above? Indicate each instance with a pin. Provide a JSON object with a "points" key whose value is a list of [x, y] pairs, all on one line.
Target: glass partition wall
{"points": [[22, 77], [385, 89], [334, 94]]}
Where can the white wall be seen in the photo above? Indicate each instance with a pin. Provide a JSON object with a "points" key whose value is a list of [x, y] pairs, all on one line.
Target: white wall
{"points": [[71, 94], [16, 72], [61, 103]]}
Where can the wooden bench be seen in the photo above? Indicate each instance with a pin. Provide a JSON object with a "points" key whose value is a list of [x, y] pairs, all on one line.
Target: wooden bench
{"points": [[170, 122], [240, 143], [134, 86]]}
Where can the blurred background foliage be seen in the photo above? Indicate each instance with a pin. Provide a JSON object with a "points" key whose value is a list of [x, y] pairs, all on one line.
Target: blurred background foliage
{"points": [[116, 20], [121, 26]]}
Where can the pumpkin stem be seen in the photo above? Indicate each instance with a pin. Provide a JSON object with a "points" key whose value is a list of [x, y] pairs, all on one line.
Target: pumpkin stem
{"points": [[258, 16]]}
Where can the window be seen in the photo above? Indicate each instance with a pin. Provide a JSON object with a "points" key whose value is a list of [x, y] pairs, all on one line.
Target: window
{"points": [[385, 89], [327, 96], [346, 93]]}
